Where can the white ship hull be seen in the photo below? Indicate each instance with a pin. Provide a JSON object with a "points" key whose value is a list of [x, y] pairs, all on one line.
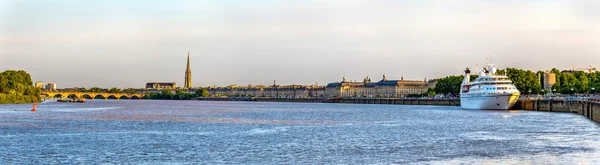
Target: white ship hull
{"points": [[497, 102]]}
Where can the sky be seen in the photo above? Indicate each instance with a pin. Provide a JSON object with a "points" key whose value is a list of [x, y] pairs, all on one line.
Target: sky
{"points": [[117, 43]]}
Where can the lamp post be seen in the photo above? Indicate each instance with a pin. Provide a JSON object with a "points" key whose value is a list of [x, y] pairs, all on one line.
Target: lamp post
{"points": [[593, 89], [572, 91], [543, 92]]}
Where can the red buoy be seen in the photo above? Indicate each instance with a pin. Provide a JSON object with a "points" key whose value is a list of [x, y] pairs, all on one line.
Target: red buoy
{"points": [[34, 105]]}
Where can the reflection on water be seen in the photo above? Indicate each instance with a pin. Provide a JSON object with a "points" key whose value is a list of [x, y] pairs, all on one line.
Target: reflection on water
{"points": [[159, 132]]}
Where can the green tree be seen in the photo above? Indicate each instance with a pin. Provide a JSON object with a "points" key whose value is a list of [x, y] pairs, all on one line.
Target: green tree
{"points": [[431, 92], [114, 90], [526, 81], [202, 92], [95, 89], [82, 90], [449, 85], [130, 90], [17, 87]]}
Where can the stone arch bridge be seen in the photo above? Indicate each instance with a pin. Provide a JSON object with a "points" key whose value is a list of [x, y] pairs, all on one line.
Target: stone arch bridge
{"points": [[92, 95]]}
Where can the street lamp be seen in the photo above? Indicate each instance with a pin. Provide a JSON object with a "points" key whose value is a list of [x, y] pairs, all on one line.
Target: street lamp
{"points": [[572, 91], [543, 91], [593, 89]]}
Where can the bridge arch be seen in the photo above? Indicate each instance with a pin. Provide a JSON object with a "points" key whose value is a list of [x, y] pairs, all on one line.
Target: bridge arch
{"points": [[135, 97], [99, 96], [57, 95], [112, 97], [87, 96], [123, 97]]}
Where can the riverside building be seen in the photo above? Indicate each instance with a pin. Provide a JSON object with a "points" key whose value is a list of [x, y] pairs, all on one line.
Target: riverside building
{"points": [[549, 80], [161, 85], [382, 88], [51, 86], [274, 91], [39, 84], [188, 74]]}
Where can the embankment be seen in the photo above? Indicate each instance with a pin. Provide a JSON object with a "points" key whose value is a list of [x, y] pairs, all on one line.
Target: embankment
{"points": [[589, 109], [400, 101]]}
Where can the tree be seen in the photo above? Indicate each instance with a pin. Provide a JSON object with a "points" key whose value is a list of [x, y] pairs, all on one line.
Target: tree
{"points": [[431, 92], [95, 89], [3, 84], [114, 90], [202, 92], [130, 90], [82, 90], [17, 87], [450, 85], [526, 81]]}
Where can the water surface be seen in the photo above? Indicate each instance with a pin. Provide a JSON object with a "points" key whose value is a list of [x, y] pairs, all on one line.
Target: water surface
{"points": [[205, 132]]}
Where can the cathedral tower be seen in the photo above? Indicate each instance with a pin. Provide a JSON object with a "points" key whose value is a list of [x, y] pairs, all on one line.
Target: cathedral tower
{"points": [[188, 74]]}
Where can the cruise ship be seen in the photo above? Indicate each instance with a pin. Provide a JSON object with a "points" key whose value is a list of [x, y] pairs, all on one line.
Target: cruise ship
{"points": [[488, 91]]}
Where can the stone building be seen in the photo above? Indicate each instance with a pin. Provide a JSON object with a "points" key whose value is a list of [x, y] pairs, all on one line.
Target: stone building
{"points": [[549, 80], [382, 88], [51, 86], [39, 84], [188, 74], [274, 91], [161, 85]]}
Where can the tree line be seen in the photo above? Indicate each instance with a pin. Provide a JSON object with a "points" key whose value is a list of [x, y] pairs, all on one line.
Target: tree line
{"points": [[576, 82], [16, 87], [167, 94], [529, 82]]}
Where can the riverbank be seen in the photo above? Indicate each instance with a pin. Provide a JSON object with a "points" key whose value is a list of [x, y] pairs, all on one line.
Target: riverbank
{"points": [[589, 109], [262, 99], [399, 101]]}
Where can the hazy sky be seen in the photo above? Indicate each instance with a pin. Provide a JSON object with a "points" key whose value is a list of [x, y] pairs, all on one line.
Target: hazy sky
{"points": [[116, 43]]}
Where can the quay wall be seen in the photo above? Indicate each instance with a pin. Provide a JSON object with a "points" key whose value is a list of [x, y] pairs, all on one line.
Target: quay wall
{"points": [[262, 99], [399, 101], [589, 109]]}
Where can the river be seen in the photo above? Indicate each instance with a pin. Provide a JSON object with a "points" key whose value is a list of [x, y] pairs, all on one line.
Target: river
{"points": [[207, 132]]}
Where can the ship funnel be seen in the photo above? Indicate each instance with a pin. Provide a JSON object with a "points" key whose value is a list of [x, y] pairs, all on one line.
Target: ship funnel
{"points": [[467, 78]]}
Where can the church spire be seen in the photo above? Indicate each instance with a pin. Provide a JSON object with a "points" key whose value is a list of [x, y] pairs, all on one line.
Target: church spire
{"points": [[188, 73]]}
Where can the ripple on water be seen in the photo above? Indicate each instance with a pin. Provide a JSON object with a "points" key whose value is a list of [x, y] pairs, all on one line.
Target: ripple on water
{"points": [[265, 131], [201, 132]]}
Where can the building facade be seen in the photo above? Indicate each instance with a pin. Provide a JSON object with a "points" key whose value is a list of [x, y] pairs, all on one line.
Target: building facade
{"points": [[161, 85], [382, 88], [188, 74], [51, 86], [274, 91], [39, 84], [549, 80]]}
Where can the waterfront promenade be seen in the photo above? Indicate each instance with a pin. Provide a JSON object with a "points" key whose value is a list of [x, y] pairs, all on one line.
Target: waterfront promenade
{"points": [[588, 105]]}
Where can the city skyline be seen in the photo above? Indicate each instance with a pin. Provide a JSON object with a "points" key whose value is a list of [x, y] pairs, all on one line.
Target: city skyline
{"points": [[126, 44]]}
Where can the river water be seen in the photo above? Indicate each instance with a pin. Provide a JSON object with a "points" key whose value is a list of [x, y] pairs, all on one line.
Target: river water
{"points": [[205, 132]]}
